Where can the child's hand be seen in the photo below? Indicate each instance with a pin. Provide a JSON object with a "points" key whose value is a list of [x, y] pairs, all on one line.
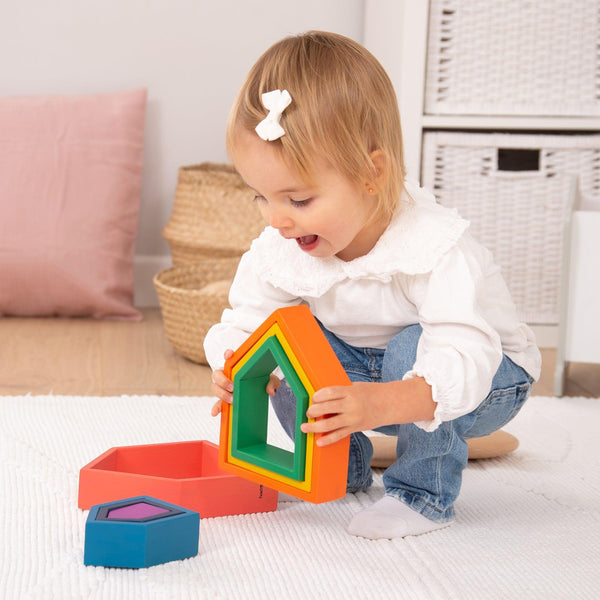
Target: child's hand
{"points": [[273, 385], [345, 409], [221, 387], [362, 406]]}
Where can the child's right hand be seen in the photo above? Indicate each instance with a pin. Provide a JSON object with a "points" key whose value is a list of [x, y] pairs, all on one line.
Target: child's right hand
{"points": [[222, 387]]}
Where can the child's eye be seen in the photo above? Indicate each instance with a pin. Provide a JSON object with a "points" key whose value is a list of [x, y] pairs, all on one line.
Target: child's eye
{"points": [[258, 198], [300, 203]]}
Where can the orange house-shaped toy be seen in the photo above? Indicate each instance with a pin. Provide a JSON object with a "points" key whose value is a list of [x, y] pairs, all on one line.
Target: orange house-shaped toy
{"points": [[290, 339]]}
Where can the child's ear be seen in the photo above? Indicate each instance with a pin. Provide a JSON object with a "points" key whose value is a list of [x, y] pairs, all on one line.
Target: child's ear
{"points": [[377, 172]]}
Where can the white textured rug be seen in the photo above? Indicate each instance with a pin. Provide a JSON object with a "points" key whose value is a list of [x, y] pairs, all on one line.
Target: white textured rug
{"points": [[528, 524]]}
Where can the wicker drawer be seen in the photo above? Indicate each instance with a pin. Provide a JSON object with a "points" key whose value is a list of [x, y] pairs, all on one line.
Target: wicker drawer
{"points": [[486, 57], [516, 191]]}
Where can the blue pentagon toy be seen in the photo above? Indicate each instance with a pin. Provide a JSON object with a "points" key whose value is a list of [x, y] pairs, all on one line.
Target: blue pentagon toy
{"points": [[139, 532]]}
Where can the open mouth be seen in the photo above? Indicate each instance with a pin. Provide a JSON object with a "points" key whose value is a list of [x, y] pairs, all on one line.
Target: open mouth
{"points": [[307, 242]]}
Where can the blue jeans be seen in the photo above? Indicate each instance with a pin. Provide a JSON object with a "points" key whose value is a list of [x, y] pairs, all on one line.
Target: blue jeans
{"points": [[427, 474]]}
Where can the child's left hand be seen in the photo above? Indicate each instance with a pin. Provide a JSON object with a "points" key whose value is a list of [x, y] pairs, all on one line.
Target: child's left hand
{"points": [[349, 408], [362, 406]]}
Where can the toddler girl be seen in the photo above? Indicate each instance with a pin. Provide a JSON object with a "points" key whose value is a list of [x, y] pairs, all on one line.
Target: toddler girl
{"points": [[416, 311]]}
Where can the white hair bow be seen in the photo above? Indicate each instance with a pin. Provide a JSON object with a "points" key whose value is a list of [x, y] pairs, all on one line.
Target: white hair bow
{"points": [[275, 102]]}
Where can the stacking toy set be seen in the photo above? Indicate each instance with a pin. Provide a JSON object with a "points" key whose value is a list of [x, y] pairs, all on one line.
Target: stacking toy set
{"points": [[146, 501]]}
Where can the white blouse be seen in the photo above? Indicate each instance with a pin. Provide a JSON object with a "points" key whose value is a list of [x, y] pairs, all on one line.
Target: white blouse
{"points": [[424, 269]]}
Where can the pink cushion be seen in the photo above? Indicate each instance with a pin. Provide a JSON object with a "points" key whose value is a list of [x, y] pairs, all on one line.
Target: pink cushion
{"points": [[70, 186]]}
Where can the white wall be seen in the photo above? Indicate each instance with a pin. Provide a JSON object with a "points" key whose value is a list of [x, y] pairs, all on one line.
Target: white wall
{"points": [[192, 55], [394, 30]]}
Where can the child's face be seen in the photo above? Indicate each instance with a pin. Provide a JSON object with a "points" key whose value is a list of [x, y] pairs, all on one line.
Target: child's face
{"points": [[330, 217]]}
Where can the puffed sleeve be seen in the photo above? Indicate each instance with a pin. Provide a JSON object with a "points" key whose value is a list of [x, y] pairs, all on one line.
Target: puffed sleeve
{"points": [[459, 351], [252, 300]]}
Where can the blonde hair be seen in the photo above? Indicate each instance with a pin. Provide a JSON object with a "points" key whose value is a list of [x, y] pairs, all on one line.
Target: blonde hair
{"points": [[343, 108]]}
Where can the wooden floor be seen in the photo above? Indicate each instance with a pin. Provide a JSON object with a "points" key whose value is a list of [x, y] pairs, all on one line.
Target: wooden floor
{"points": [[110, 358]]}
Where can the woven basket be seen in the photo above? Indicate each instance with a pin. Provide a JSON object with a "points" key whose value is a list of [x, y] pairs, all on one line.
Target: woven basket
{"points": [[520, 215], [213, 214], [486, 57], [192, 298]]}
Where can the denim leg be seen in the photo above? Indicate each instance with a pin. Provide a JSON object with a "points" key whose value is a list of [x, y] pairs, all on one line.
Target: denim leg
{"points": [[284, 405], [427, 473], [427, 463], [360, 476], [511, 386]]}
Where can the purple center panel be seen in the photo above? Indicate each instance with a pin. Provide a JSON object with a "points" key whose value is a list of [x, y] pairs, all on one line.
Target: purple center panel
{"points": [[139, 510]]}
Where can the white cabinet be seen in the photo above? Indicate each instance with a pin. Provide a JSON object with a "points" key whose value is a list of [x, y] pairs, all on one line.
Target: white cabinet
{"points": [[397, 32], [579, 329]]}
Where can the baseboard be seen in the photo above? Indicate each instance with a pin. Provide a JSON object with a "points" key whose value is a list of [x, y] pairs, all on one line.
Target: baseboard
{"points": [[145, 267]]}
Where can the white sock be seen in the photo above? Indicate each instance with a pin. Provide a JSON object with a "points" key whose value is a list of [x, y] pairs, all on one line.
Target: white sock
{"points": [[390, 518]]}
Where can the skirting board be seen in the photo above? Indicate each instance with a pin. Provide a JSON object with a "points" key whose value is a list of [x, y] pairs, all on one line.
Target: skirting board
{"points": [[146, 266]]}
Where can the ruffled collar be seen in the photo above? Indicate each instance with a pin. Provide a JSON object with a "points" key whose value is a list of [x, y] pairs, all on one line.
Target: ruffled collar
{"points": [[420, 233]]}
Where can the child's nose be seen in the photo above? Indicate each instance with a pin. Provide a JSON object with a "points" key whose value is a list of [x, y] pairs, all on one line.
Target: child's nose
{"points": [[278, 218]]}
